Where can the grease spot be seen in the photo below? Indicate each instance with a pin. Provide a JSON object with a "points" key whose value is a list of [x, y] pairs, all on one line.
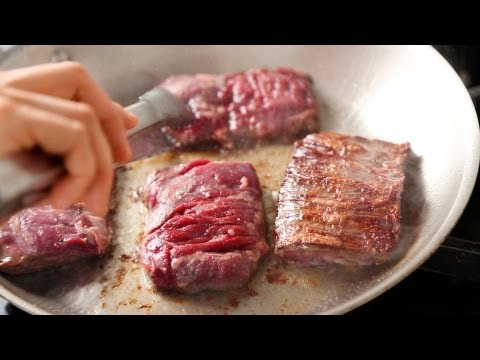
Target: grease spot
{"points": [[119, 276], [233, 301], [276, 276]]}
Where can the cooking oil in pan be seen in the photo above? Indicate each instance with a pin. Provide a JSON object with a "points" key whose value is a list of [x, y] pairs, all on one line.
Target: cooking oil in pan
{"points": [[273, 290]]}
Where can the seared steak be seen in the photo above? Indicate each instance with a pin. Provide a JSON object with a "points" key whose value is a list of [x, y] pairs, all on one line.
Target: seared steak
{"points": [[205, 227], [340, 201], [244, 108], [41, 237]]}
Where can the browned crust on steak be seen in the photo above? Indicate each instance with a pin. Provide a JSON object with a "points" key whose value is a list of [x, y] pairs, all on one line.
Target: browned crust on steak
{"points": [[340, 199]]}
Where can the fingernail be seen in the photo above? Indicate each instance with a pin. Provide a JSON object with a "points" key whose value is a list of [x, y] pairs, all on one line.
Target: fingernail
{"points": [[134, 119]]}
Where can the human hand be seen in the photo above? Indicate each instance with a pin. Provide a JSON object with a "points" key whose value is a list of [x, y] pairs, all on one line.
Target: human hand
{"points": [[61, 109]]}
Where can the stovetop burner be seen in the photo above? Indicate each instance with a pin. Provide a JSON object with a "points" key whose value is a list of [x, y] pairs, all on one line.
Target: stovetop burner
{"points": [[429, 290]]}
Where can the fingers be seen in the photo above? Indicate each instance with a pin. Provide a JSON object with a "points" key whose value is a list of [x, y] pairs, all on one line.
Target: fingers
{"points": [[24, 126], [71, 81], [131, 120], [97, 195]]}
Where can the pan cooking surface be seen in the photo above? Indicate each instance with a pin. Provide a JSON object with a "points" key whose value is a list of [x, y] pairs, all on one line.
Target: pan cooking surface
{"points": [[394, 93], [117, 283]]}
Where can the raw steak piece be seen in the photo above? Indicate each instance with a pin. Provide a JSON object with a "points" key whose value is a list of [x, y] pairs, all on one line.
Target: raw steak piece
{"points": [[205, 227], [244, 108], [340, 201], [42, 237]]}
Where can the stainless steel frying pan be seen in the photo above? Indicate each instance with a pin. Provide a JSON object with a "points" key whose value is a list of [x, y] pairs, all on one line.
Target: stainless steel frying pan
{"points": [[395, 93]]}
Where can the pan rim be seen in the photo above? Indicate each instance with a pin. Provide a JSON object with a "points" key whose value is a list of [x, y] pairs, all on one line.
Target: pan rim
{"points": [[469, 176]]}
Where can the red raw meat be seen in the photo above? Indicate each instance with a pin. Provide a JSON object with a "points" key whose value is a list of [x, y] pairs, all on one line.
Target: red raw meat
{"points": [[244, 108], [41, 237], [205, 227]]}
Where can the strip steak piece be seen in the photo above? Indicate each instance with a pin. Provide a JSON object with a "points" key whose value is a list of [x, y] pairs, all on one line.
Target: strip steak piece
{"points": [[41, 237], [244, 108], [340, 201], [205, 227]]}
